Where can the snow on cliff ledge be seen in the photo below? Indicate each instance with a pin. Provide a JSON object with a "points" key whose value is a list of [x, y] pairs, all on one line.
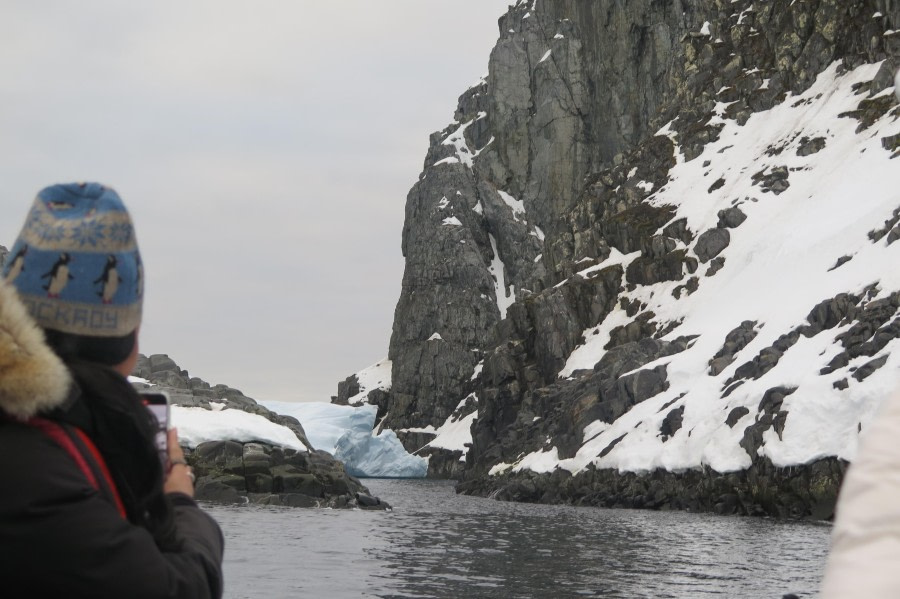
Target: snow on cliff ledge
{"points": [[376, 376]]}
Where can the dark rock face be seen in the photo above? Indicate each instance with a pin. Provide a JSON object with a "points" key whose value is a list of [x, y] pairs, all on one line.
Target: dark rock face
{"points": [[891, 229], [672, 423], [346, 389], [876, 323], [443, 463], [542, 192], [770, 415], [735, 341], [735, 415], [811, 146]]}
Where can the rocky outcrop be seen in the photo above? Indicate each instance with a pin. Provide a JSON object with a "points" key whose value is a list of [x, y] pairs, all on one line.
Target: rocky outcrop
{"points": [[536, 230], [230, 471], [160, 371]]}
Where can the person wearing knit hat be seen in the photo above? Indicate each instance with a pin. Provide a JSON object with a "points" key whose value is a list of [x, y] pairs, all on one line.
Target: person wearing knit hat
{"points": [[77, 269], [91, 510]]}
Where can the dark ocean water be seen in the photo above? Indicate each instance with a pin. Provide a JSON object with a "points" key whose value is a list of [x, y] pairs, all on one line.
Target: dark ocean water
{"points": [[441, 545]]}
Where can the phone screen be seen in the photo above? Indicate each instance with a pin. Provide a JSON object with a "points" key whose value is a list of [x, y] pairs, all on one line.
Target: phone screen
{"points": [[158, 404]]}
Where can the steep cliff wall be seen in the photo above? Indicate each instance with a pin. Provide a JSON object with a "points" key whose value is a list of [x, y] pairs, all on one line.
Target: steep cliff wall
{"points": [[631, 222]]}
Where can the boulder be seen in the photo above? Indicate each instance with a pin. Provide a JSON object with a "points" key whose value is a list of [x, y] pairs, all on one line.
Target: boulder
{"points": [[711, 243], [731, 218], [217, 491]]}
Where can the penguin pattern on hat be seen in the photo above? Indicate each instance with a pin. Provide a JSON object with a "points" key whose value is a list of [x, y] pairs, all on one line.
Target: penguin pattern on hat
{"points": [[76, 263]]}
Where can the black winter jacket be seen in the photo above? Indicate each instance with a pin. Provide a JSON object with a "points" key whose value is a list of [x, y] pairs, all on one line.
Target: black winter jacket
{"points": [[59, 535]]}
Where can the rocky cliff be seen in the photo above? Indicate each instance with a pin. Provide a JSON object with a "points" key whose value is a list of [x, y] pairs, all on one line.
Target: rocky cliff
{"points": [[646, 263]]}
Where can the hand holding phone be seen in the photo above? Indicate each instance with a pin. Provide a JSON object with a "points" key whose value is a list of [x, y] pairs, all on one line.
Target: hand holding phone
{"points": [[178, 480]]}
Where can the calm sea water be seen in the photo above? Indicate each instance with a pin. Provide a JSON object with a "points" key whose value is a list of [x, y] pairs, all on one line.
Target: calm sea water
{"points": [[440, 545]]}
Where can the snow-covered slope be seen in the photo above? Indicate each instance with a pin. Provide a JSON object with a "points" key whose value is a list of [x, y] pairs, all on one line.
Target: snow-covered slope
{"points": [[198, 425], [779, 265]]}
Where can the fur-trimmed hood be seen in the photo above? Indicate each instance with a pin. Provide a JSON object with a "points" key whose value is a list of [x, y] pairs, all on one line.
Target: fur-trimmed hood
{"points": [[32, 377]]}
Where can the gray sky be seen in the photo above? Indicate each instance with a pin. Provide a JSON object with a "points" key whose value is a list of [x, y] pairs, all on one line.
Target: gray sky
{"points": [[265, 150]]}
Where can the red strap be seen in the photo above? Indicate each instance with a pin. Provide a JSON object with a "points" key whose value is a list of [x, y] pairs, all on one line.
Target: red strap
{"points": [[104, 470], [56, 432]]}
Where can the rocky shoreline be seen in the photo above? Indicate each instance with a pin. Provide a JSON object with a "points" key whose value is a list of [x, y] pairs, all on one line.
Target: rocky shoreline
{"points": [[806, 492]]}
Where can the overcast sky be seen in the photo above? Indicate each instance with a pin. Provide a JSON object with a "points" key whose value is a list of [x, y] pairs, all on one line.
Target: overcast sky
{"points": [[265, 150]]}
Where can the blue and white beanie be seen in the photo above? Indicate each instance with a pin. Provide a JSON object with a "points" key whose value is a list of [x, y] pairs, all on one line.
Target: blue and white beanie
{"points": [[76, 263]]}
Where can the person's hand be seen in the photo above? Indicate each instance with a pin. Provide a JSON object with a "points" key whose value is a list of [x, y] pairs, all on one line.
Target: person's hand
{"points": [[180, 477]]}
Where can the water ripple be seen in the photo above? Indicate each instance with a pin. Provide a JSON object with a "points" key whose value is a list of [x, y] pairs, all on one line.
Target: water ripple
{"points": [[436, 544]]}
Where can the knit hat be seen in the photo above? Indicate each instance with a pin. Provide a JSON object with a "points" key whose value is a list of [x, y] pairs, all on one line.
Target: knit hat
{"points": [[76, 263]]}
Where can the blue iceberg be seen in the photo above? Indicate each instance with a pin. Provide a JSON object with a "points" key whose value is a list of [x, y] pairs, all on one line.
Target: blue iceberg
{"points": [[347, 433]]}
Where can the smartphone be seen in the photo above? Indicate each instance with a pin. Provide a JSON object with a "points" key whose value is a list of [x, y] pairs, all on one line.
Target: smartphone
{"points": [[158, 404]]}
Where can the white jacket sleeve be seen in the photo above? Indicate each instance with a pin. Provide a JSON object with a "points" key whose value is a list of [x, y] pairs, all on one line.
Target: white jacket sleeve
{"points": [[865, 545]]}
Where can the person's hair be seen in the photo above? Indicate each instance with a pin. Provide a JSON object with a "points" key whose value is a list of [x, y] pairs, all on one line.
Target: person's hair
{"points": [[108, 351]]}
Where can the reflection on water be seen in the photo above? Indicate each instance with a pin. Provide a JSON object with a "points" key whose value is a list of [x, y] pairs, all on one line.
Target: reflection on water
{"points": [[441, 545]]}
